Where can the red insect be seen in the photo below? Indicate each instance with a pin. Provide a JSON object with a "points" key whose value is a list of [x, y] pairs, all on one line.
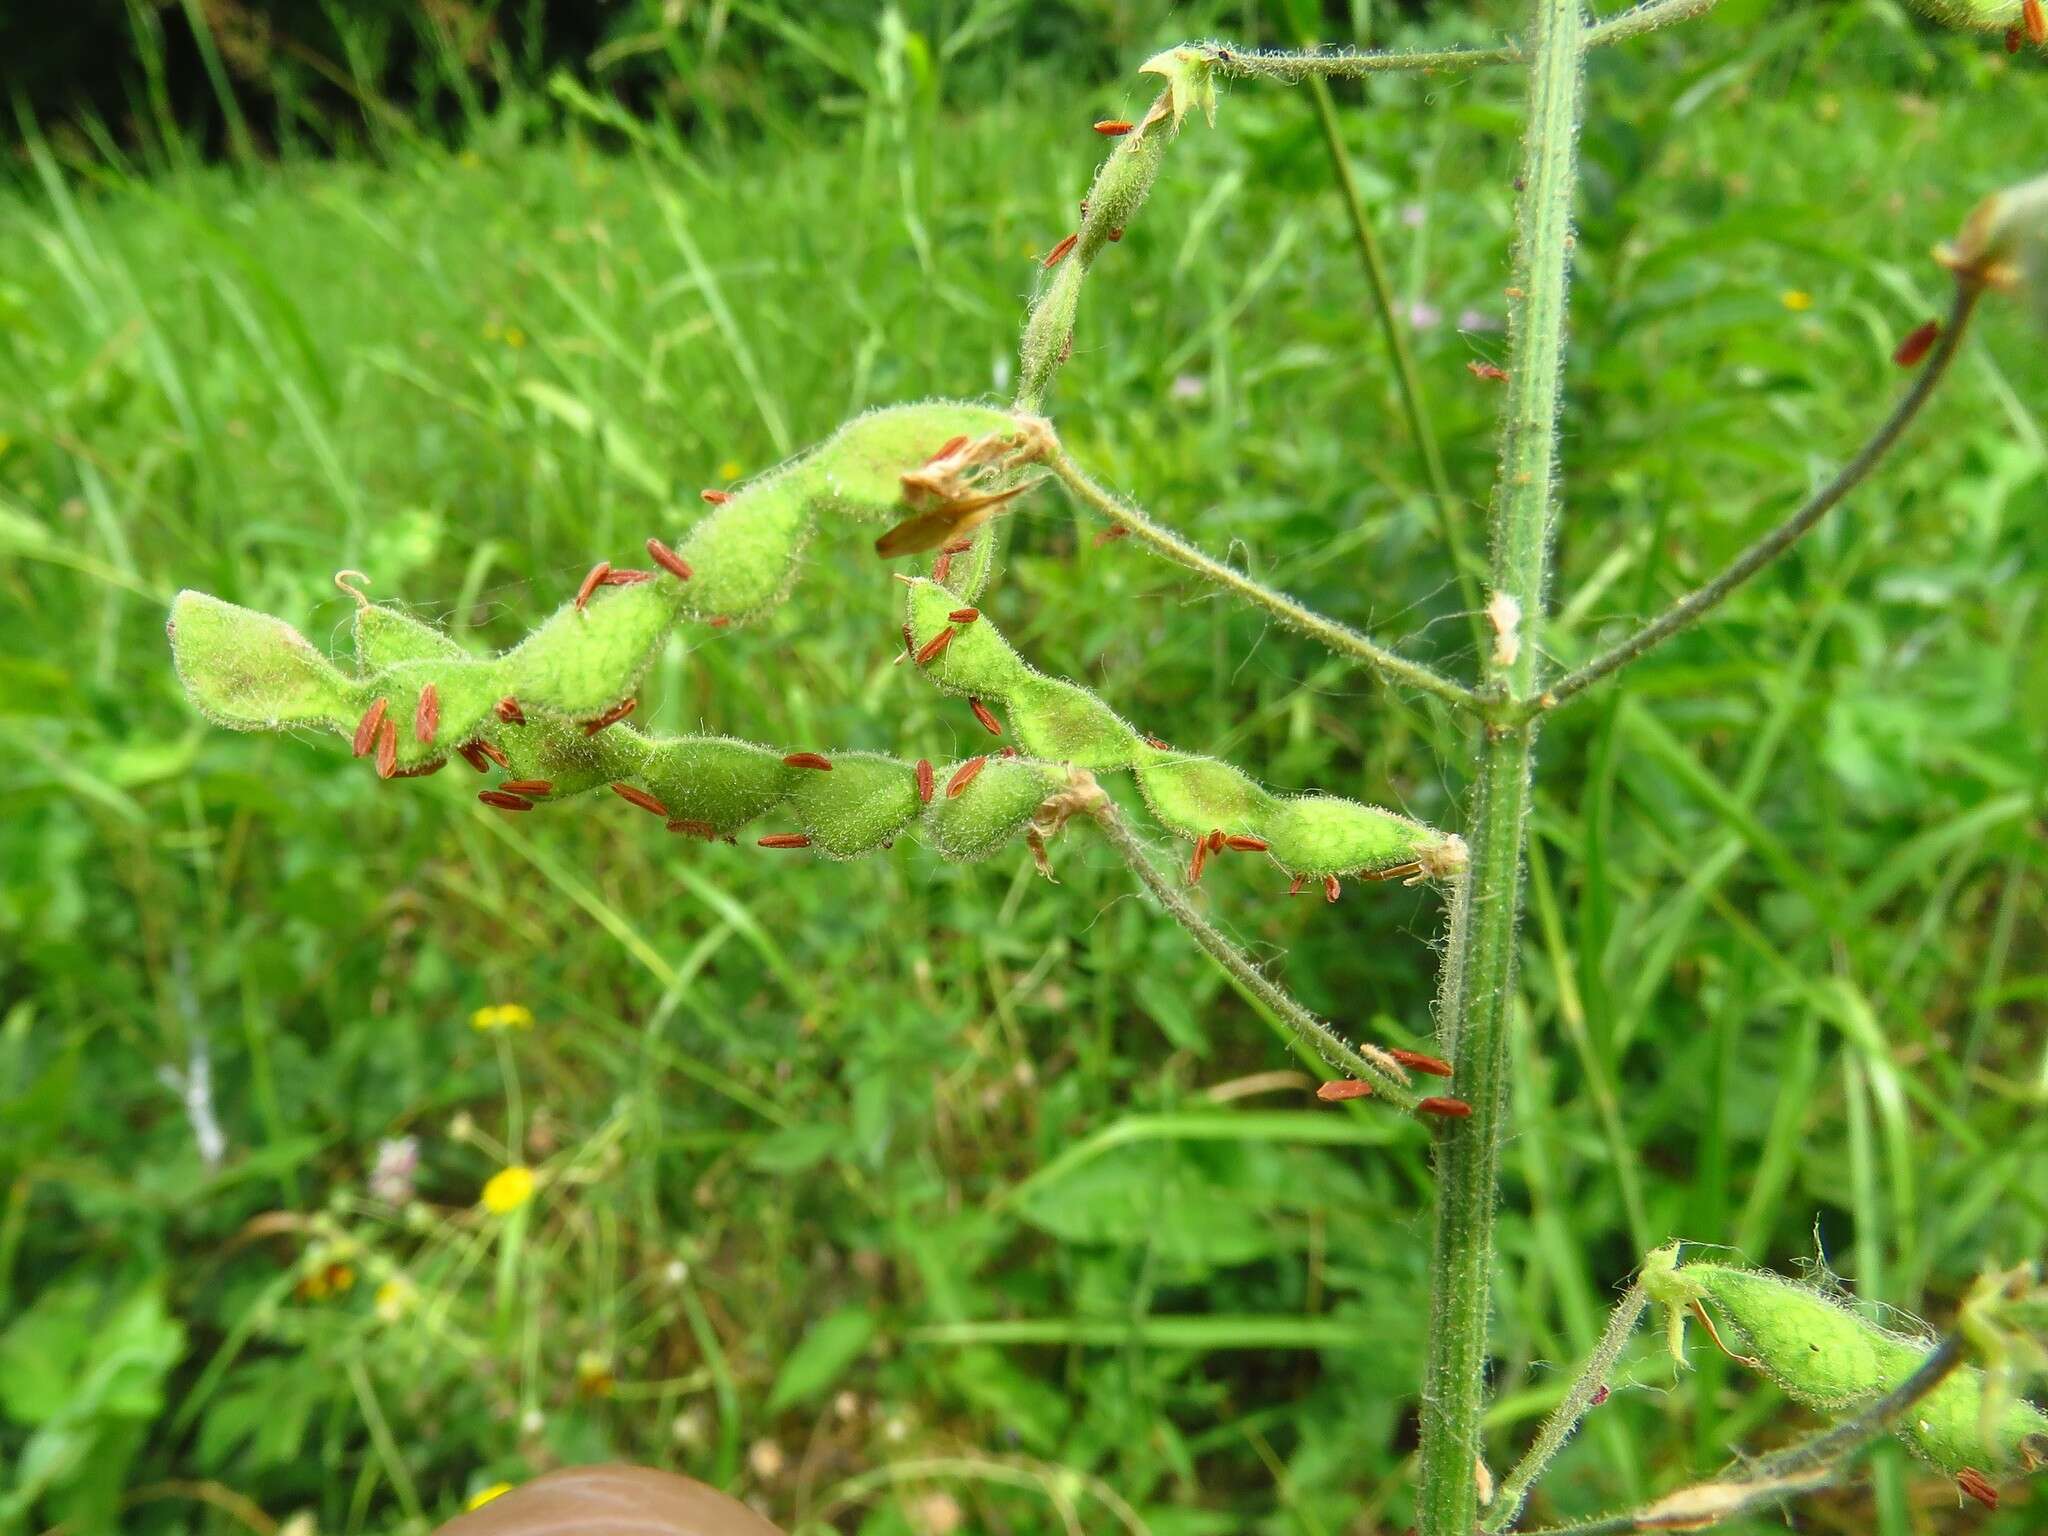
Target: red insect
{"points": [[1917, 344], [1007, 752], [1455, 1109], [1216, 840], [988, 721], [510, 712], [366, 728], [1246, 844], [591, 582], [786, 840], [716, 498], [426, 717], [942, 568], [1599, 1397], [1294, 886], [499, 799], [387, 748], [1415, 1061], [1978, 1487], [1200, 859], [626, 578], [702, 829], [669, 560], [611, 716], [1343, 1088], [957, 547], [2012, 39], [718, 621], [532, 787], [952, 446], [424, 770], [634, 795], [964, 615], [933, 648], [964, 776], [1487, 371], [924, 781], [1156, 744], [473, 754], [808, 760], [1113, 127], [1331, 887], [494, 753], [1111, 534], [1058, 253], [1115, 235], [2036, 22]]}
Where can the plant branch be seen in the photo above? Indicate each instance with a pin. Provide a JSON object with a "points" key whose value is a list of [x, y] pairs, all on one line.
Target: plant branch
{"points": [[1565, 1417], [1340, 638], [1291, 67], [1702, 600], [1407, 383], [1647, 17], [1368, 1062], [1477, 996], [1700, 1507]]}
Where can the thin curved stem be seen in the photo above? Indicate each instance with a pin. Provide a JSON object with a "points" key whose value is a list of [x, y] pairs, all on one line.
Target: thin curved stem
{"points": [[1647, 17], [1700, 1507], [1340, 638], [1389, 1081], [1702, 600], [1291, 67], [1407, 382]]}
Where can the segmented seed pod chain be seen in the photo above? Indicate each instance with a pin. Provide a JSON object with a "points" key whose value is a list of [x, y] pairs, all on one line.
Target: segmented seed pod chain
{"points": [[549, 714]]}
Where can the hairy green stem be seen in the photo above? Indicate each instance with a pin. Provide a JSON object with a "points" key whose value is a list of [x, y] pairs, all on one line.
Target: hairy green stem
{"points": [[1565, 1418], [1702, 1506], [1407, 382], [1291, 68], [1647, 17], [1696, 604], [1340, 638], [1477, 1000], [1367, 1062]]}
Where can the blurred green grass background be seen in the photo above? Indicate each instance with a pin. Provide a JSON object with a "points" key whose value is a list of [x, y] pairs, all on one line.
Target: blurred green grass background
{"points": [[905, 1198]]}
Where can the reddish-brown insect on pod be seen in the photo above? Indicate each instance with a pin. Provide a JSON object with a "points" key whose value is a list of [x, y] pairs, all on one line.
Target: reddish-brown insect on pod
{"points": [[473, 754], [633, 795], [2036, 22], [1111, 534], [426, 716], [1978, 1487], [424, 770], [1599, 1397], [1343, 1088], [366, 729], [1917, 344], [964, 615], [957, 547], [1487, 371], [952, 446], [1156, 744], [718, 621], [1112, 127], [942, 568], [611, 716], [626, 578], [688, 828], [716, 498], [592, 582], [2012, 39], [510, 712], [988, 721], [503, 800], [1198, 862], [934, 647], [669, 560], [1455, 1109], [387, 748], [1007, 752], [807, 760], [964, 775], [1246, 844], [1294, 886], [786, 840], [495, 753], [1331, 887], [1217, 840], [924, 781], [532, 787], [1058, 253], [1115, 235], [1415, 1061]]}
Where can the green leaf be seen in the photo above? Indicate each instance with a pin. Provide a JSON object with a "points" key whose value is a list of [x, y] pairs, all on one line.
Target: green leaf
{"points": [[824, 1354]]}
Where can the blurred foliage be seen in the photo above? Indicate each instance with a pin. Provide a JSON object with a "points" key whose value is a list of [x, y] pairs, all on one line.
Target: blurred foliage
{"points": [[899, 1193]]}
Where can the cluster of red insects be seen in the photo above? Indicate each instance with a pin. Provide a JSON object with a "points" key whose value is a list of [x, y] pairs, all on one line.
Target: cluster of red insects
{"points": [[2032, 27]]}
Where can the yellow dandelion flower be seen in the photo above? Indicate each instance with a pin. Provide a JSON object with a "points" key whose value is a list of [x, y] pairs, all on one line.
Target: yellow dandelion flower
{"points": [[484, 1496], [508, 1189], [501, 1016], [729, 470], [1798, 300], [394, 1299]]}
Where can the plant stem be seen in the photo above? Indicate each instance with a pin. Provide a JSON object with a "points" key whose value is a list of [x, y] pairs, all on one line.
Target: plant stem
{"points": [[1406, 381], [1389, 1081], [1697, 603], [1477, 999], [1565, 1417], [1291, 68], [1340, 638], [1700, 1507], [1647, 17]]}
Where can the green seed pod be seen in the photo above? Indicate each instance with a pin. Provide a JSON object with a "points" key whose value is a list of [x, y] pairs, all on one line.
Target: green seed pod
{"points": [[1829, 1358], [1194, 797], [1973, 15], [250, 672]]}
